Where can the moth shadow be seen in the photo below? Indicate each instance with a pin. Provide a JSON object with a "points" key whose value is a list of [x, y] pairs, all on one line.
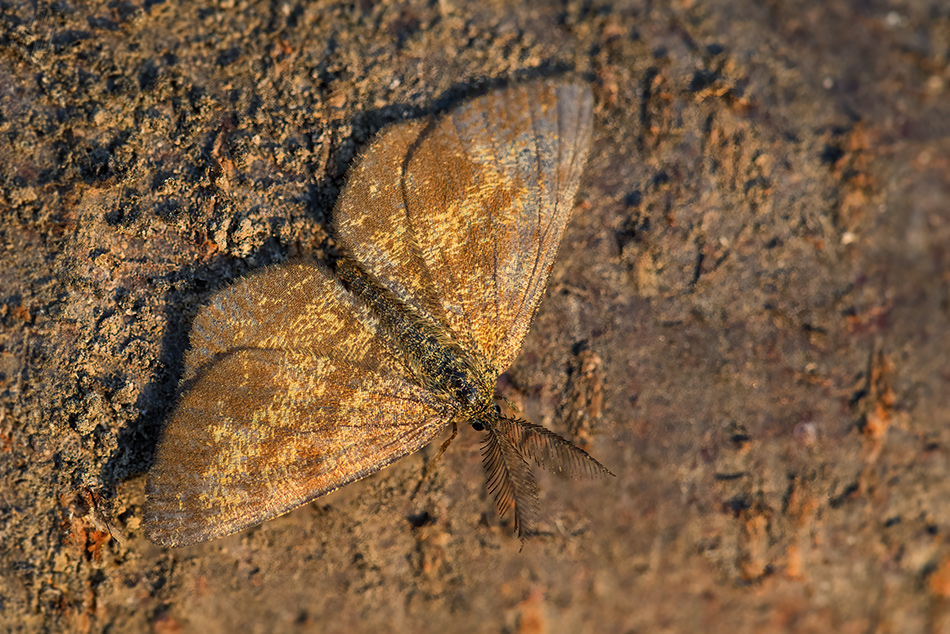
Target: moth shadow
{"points": [[191, 289]]}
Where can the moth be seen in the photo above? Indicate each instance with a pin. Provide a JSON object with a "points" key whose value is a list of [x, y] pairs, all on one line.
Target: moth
{"points": [[299, 380]]}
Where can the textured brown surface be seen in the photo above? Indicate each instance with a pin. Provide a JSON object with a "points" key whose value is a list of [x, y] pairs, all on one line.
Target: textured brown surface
{"points": [[747, 319]]}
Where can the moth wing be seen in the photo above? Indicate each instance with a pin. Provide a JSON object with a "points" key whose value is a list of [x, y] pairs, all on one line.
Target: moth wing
{"points": [[463, 214], [262, 431], [297, 306], [243, 445]]}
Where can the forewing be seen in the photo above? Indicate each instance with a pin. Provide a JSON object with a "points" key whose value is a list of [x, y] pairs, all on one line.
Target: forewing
{"points": [[462, 215], [371, 221], [299, 306], [260, 432]]}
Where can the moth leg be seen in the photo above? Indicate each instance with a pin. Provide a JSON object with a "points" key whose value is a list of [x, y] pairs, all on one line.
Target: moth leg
{"points": [[428, 467], [445, 445]]}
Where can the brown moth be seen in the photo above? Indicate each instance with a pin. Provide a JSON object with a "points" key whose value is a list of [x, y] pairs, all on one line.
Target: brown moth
{"points": [[299, 381]]}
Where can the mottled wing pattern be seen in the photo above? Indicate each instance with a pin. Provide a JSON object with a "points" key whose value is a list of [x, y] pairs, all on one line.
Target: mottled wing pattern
{"points": [[279, 408], [371, 221], [467, 226], [294, 306], [257, 436]]}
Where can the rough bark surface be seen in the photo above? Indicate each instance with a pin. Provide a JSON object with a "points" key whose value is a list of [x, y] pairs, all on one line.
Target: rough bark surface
{"points": [[748, 322]]}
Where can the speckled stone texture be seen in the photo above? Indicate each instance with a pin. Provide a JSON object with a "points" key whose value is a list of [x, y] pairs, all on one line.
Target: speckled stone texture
{"points": [[747, 320]]}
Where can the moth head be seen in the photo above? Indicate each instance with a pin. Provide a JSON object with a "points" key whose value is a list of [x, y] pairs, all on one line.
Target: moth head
{"points": [[484, 422]]}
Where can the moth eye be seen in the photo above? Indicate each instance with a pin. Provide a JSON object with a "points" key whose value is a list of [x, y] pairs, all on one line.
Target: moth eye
{"points": [[477, 426]]}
